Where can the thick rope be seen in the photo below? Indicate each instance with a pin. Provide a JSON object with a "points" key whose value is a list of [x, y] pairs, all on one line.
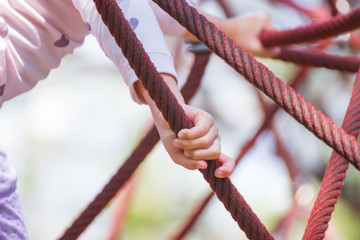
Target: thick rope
{"points": [[260, 76], [314, 31], [110, 190], [138, 155], [335, 174], [269, 114], [317, 58], [175, 115]]}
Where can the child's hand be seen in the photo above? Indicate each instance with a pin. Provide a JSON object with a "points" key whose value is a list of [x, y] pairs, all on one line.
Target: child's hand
{"points": [[246, 30], [193, 146], [196, 145]]}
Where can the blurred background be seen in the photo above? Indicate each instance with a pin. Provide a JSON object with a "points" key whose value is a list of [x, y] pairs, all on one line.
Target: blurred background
{"points": [[71, 133]]}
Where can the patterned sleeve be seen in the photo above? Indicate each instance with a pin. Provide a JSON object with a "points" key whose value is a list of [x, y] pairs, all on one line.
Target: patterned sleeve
{"points": [[143, 21], [34, 37]]}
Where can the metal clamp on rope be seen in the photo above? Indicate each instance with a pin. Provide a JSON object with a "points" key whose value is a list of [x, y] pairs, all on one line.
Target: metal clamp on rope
{"points": [[197, 47]]}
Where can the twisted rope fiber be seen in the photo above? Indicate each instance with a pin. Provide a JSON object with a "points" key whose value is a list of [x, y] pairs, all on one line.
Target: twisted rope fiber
{"points": [[335, 174], [138, 155], [314, 31], [260, 76], [318, 58], [269, 114], [175, 115], [110, 190]]}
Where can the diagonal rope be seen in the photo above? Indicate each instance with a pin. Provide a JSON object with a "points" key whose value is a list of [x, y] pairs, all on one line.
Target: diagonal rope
{"points": [[85, 218], [260, 76], [269, 114], [314, 31], [335, 174], [175, 115]]}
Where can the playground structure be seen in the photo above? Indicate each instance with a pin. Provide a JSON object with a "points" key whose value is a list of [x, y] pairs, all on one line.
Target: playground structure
{"points": [[339, 138]]}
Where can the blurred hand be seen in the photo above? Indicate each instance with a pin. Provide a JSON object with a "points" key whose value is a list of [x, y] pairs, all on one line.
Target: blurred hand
{"points": [[246, 30]]}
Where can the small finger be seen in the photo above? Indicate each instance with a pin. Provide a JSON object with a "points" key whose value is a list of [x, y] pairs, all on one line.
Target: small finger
{"points": [[211, 153], [203, 142], [226, 168], [189, 163], [202, 123]]}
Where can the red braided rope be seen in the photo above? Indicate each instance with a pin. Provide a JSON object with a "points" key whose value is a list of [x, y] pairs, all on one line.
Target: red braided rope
{"points": [[110, 190], [152, 81], [317, 58], [138, 155], [259, 75], [314, 31], [335, 174], [269, 114], [175, 115]]}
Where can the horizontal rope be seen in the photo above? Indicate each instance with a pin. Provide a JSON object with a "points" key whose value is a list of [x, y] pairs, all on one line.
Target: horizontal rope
{"points": [[317, 58], [314, 31]]}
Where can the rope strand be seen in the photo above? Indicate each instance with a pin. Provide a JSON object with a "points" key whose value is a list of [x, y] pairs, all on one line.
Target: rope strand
{"points": [[318, 58], [260, 76], [127, 169], [175, 115], [314, 31], [335, 174]]}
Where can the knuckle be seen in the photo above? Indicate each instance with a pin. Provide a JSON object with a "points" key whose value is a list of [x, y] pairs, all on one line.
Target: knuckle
{"points": [[215, 153], [189, 154], [203, 142]]}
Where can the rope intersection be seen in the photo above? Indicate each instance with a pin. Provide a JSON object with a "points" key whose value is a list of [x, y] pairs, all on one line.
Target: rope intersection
{"points": [[341, 139]]}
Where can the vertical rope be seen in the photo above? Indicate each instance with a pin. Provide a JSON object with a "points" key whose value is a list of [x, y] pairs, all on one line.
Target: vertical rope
{"points": [[333, 7], [175, 115], [314, 31], [335, 174]]}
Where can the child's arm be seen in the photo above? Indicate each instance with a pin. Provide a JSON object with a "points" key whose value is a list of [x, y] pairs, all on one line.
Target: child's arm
{"points": [[193, 146]]}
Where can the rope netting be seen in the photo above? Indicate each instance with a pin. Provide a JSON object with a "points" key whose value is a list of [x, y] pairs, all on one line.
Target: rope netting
{"points": [[343, 140]]}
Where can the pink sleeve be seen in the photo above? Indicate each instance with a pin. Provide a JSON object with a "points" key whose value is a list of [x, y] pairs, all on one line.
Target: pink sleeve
{"points": [[143, 21], [34, 37], [168, 25]]}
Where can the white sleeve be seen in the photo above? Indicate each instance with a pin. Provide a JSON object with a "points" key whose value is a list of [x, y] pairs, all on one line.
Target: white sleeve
{"points": [[144, 23]]}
